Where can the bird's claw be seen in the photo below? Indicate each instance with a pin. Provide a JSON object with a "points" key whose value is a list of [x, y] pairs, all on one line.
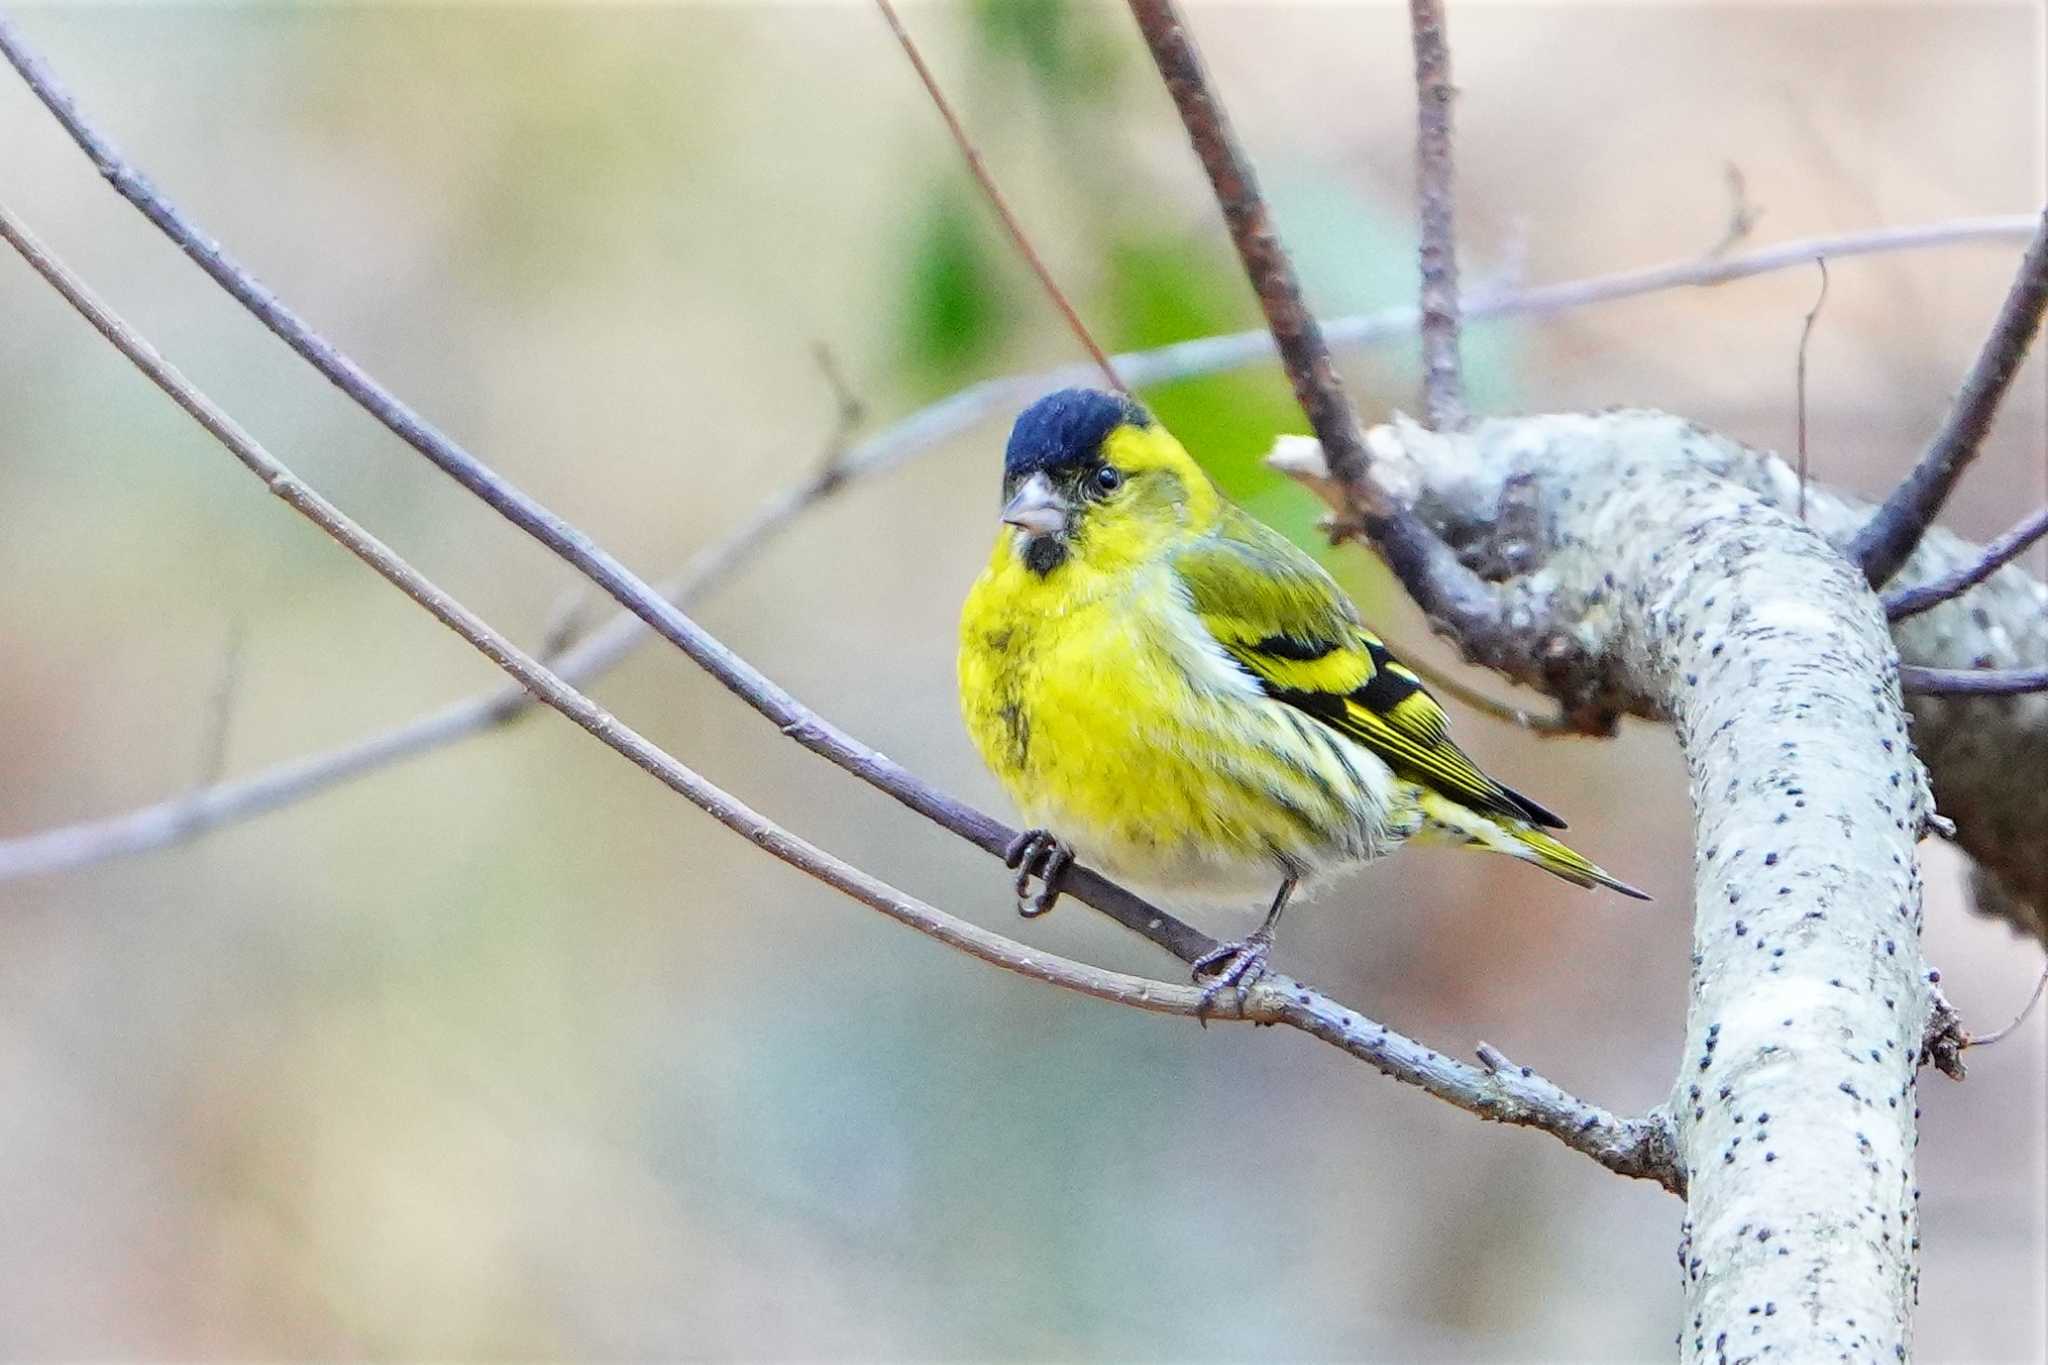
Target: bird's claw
{"points": [[1038, 853], [1230, 966]]}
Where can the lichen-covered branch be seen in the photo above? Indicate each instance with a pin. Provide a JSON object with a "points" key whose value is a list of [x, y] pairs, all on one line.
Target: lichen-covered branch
{"points": [[1700, 598]]}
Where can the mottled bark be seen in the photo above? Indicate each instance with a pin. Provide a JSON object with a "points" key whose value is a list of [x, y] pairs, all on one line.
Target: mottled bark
{"points": [[1669, 559]]}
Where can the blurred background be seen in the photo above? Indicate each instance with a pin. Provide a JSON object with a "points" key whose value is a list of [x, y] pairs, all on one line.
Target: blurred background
{"points": [[507, 1052]]}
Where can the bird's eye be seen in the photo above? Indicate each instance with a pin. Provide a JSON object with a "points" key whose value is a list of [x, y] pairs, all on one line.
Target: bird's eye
{"points": [[1108, 479]]}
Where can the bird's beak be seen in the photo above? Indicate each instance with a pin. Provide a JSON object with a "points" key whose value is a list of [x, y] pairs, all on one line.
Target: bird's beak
{"points": [[1037, 510]]}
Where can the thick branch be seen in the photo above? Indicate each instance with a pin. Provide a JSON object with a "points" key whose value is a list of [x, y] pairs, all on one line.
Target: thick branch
{"points": [[1639, 1148], [1443, 374], [1711, 605], [1883, 545]]}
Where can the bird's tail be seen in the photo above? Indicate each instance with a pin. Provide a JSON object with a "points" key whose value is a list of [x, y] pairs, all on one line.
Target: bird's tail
{"points": [[1519, 839], [1560, 861]]}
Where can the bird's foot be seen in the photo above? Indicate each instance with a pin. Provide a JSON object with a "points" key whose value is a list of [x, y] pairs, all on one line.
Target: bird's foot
{"points": [[1231, 966], [1038, 853]]}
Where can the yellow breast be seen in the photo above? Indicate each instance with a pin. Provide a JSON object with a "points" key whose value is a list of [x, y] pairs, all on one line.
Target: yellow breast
{"points": [[1110, 723]]}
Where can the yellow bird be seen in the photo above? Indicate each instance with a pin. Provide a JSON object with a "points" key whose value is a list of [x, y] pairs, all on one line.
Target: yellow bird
{"points": [[1174, 693]]}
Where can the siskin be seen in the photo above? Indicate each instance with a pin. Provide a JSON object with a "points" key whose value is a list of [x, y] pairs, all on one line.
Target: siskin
{"points": [[1173, 692]]}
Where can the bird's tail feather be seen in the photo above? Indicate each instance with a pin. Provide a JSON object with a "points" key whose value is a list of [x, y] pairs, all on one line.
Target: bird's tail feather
{"points": [[1560, 861], [1520, 840]]}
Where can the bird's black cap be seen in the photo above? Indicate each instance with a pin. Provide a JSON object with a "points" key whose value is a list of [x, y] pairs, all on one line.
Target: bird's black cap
{"points": [[1067, 427]]}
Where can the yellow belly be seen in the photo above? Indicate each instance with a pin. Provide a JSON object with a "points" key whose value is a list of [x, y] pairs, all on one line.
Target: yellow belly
{"points": [[1108, 726]]}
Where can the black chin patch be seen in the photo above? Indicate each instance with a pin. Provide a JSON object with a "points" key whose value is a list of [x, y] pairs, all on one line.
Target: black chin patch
{"points": [[1043, 554]]}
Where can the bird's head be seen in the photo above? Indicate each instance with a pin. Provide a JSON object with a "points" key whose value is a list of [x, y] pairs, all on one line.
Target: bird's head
{"points": [[1093, 478]]}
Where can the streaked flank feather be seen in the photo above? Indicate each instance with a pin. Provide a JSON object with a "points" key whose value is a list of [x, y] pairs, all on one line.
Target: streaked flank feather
{"points": [[1187, 700]]}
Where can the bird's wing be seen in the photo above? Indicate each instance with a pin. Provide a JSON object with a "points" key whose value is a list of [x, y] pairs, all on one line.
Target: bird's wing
{"points": [[1286, 623]]}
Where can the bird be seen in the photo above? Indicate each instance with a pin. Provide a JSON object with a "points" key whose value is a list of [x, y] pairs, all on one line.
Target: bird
{"points": [[1173, 692]]}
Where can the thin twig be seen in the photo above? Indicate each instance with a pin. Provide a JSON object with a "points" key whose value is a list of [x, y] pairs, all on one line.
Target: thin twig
{"points": [[2000, 1035], [1642, 1148], [852, 411], [1895, 528], [1805, 336], [220, 709], [1904, 602], [1444, 588], [167, 823], [1742, 215], [1443, 374], [987, 181], [1972, 682], [1443, 684]]}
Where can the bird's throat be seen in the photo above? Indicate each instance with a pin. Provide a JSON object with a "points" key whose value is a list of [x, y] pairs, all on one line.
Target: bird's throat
{"points": [[1043, 554]]}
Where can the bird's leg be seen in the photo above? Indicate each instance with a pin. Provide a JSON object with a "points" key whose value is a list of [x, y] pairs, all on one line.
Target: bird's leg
{"points": [[1239, 965], [1038, 853]]}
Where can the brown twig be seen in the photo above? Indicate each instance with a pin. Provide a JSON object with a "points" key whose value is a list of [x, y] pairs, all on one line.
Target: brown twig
{"points": [[1972, 682], [1901, 603], [1895, 529], [987, 181], [1641, 1148], [1425, 566], [1443, 374], [1806, 336]]}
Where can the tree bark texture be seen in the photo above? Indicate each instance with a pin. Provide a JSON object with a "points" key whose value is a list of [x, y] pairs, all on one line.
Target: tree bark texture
{"points": [[1671, 559]]}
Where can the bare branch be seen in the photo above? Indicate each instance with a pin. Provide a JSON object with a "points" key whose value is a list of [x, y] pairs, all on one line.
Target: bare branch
{"points": [[170, 822], [1641, 1148], [1442, 586], [1443, 374], [1883, 545], [1904, 602], [548, 686], [1972, 682], [987, 181]]}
